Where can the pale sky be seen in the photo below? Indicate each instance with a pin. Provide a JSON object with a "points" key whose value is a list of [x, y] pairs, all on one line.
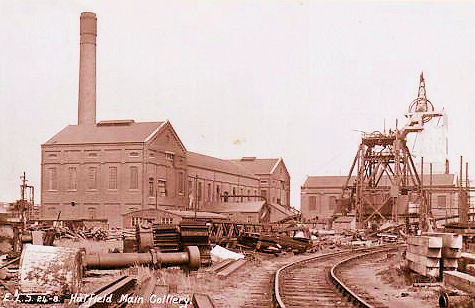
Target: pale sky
{"points": [[290, 79]]}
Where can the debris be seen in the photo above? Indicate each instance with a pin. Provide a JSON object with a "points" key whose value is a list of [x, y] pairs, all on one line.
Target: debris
{"points": [[219, 253]]}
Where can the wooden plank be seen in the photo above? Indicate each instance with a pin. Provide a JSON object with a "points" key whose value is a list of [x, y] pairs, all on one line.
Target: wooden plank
{"points": [[221, 265], [428, 241], [231, 268], [203, 301]]}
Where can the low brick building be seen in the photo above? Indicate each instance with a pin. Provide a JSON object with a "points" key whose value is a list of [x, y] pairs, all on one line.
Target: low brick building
{"points": [[319, 195]]}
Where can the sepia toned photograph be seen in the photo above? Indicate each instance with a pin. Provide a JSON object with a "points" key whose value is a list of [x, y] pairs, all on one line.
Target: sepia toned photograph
{"points": [[237, 153]]}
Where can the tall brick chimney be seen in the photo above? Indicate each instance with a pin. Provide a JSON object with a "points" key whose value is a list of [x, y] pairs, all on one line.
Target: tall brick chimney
{"points": [[87, 70]]}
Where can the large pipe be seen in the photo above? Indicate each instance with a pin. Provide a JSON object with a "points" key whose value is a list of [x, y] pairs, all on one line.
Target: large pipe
{"points": [[87, 69], [190, 258]]}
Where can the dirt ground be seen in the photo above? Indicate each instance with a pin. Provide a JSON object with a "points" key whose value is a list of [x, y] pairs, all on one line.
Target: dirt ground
{"points": [[380, 277]]}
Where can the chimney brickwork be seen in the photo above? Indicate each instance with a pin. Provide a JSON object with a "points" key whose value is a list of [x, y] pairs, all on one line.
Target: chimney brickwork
{"points": [[87, 70]]}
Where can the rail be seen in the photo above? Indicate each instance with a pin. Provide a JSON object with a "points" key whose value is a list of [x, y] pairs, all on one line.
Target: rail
{"points": [[340, 285]]}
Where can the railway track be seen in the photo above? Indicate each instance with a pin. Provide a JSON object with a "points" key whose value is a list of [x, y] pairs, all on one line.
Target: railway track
{"points": [[313, 282]]}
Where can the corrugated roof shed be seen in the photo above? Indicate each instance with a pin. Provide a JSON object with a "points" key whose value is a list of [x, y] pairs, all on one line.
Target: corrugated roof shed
{"points": [[106, 132], [213, 163], [244, 207], [258, 166]]}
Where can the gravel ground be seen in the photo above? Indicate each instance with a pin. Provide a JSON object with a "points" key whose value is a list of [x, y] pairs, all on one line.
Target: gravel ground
{"points": [[380, 278]]}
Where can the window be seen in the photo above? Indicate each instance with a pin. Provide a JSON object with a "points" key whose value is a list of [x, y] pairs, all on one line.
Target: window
{"points": [[91, 212], [249, 219], [134, 177], [218, 196], [209, 192], [72, 178], [242, 193], [264, 193], [312, 203], [92, 154], [200, 191], [332, 202], [162, 188], [112, 177], [169, 156], [52, 179], [151, 190], [190, 188], [255, 194], [248, 195], [181, 182], [166, 220], [263, 181], [136, 221], [133, 154], [278, 201], [92, 178], [52, 155], [442, 201]]}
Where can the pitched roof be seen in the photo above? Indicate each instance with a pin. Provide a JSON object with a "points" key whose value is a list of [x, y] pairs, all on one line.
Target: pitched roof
{"points": [[283, 209], [258, 165], [339, 181], [229, 207], [106, 132], [213, 163]]}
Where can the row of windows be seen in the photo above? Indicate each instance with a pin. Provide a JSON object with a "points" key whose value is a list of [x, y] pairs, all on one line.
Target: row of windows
{"points": [[313, 204], [160, 187], [163, 220], [208, 193], [92, 176]]}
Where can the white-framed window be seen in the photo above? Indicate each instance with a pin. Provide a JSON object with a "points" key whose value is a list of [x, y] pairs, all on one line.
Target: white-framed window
{"points": [[136, 221], [169, 156], [72, 178], [166, 220], [134, 177]]}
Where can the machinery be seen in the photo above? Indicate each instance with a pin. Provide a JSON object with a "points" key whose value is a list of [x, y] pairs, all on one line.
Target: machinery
{"points": [[175, 238], [57, 271], [386, 179]]}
